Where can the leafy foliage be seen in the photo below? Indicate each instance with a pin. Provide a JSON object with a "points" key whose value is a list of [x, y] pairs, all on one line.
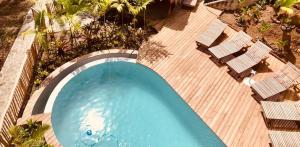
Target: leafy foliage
{"points": [[104, 32], [265, 26], [281, 43], [29, 135], [248, 14], [286, 6]]}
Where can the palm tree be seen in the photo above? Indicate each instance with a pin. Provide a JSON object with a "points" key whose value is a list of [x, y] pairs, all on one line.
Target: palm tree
{"points": [[40, 29], [71, 8], [101, 7], [119, 6], [30, 134], [136, 9], [144, 4]]}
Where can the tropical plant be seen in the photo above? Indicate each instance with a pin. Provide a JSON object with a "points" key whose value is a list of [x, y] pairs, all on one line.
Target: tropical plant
{"points": [[263, 3], [279, 48], [40, 28], [286, 12], [255, 13], [102, 33], [71, 10], [265, 27], [101, 7], [134, 10], [285, 15], [29, 135], [244, 17], [280, 44], [119, 5], [286, 6], [144, 4]]}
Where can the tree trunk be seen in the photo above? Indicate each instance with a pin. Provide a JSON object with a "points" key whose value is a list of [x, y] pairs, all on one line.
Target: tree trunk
{"points": [[71, 33], [104, 23], [122, 18], [144, 19], [286, 36], [134, 20]]}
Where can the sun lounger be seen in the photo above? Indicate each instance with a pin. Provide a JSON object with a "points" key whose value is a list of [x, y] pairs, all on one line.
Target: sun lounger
{"points": [[285, 138], [240, 66], [272, 87], [223, 52], [211, 34], [281, 114]]}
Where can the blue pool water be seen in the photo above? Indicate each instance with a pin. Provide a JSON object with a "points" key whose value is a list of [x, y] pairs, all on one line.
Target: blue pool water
{"points": [[122, 104]]}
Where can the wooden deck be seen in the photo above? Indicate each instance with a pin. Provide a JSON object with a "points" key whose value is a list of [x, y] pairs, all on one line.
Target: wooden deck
{"points": [[223, 103]]}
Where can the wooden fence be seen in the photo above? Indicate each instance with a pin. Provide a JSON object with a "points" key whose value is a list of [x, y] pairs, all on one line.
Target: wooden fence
{"points": [[16, 76]]}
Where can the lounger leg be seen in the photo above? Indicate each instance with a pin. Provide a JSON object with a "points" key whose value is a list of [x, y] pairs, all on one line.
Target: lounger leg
{"points": [[298, 124], [246, 73], [215, 60], [267, 121], [233, 74], [239, 77], [226, 59], [256, 96]]}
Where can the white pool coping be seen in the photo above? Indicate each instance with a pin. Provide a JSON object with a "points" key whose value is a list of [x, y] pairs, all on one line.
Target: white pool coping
{"points": [[65, 80]]}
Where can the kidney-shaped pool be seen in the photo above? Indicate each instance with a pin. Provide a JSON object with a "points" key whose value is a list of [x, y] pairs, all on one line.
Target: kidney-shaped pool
{"points": [[123, 104]]}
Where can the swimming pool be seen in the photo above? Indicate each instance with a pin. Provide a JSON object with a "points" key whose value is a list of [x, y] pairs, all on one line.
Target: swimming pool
{"points": [[123, 104]]}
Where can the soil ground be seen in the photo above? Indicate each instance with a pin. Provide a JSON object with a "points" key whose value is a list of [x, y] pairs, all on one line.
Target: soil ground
{"points": [[12, 13], [271, 36]]}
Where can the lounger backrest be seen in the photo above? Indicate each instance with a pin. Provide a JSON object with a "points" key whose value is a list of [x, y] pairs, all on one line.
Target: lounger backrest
{"points": [[258, 51], [288, 75], [284, 80], [241, 39], [213, 31], [215, 27], [291, 71]]}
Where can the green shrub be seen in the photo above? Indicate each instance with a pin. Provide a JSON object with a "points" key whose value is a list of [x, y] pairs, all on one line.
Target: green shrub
{"points": [[29, 135]]}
